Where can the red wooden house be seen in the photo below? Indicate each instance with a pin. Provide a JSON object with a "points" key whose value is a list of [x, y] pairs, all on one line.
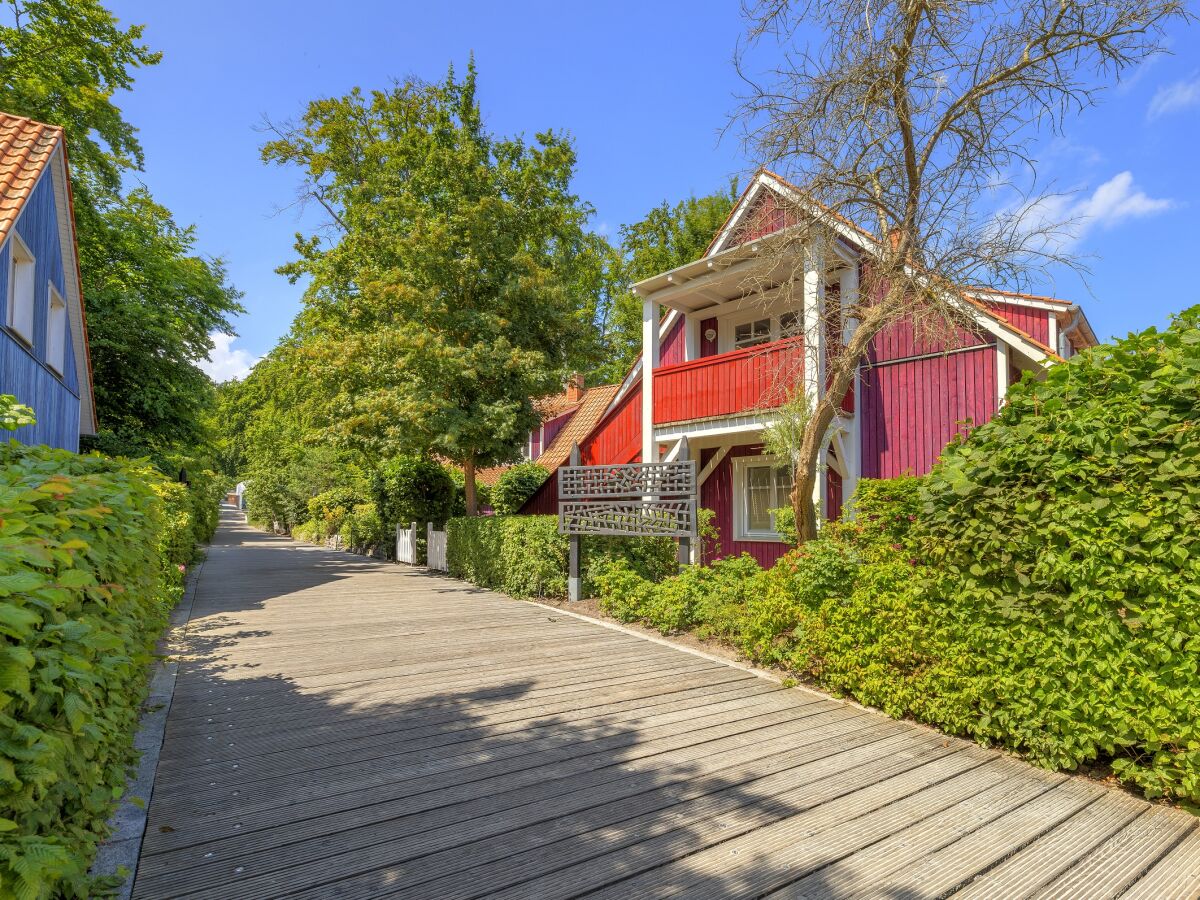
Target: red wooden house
{"points": [[721, 358]]}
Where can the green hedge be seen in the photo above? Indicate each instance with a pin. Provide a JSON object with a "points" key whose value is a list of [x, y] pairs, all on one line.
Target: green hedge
{"points": [[91, 550], [525, 556], [1038, 590]]}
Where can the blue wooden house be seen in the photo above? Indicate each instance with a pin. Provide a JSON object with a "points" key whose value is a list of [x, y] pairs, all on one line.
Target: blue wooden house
{"points": [[43, 333]]}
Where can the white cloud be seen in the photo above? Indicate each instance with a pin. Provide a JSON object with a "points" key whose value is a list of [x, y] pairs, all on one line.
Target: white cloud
{"points": [[1175, 97], [226, 362], [1116, 201], [1072, 217]]}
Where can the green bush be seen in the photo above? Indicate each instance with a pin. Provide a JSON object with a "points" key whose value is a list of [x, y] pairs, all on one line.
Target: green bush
{"points": [[89, 555], [525, 556], [1039, 589], [328, 511], [516, 485], [411, 489], [362, 529], [1065, 535]]}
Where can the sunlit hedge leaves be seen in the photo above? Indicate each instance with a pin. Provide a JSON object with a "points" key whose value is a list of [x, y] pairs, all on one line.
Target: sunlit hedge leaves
{"points": [[90, 557]]}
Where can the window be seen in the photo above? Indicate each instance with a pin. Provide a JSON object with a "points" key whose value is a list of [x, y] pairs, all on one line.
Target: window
{"points": [[790, 325], [761, 484], [20, 290], [749, 334], [56, 332]]}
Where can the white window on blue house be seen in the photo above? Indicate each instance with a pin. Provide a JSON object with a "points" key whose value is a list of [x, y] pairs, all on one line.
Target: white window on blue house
{"points": [[760, 485], [20, 290], [56, 332]]}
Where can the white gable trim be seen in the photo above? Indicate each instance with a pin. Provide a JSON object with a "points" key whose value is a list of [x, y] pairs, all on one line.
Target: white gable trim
{"points": [[74, 290]]}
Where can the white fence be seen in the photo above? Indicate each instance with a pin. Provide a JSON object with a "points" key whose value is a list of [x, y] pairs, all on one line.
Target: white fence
{"points": [[435, 548], [406, 544]]}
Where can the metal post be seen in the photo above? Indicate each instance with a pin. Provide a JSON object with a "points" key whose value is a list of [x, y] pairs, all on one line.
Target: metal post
{"points": [[574, 586], [684, 554]]}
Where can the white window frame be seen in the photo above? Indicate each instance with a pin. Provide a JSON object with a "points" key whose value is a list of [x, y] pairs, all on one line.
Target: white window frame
{"points": [[56, 330], [741, 498], [19, 247], [727, 325]]}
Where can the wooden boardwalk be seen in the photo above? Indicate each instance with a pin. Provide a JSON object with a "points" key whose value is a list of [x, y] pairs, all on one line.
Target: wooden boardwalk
{"points": [[345, 728]]}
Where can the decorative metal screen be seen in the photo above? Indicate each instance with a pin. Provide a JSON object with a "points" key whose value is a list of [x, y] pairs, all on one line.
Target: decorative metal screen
{"points": [[651, 500], [669, 479]]}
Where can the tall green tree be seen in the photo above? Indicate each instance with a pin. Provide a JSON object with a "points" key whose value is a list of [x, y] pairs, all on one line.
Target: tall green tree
{"points": [[151, 300], [447, 298], [667, 237]]}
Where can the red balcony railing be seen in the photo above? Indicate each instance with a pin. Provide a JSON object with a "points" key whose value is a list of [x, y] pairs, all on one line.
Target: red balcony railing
{"points": [[730, 383]]}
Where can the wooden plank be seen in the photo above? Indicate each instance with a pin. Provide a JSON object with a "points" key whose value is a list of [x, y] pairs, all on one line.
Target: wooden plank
{"points": [[1176, 875], [345, 728], [1036, 865], [1116, 865]]}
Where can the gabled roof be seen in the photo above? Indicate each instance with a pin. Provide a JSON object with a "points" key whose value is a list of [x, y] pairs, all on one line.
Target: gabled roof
{"points": [[26, 147], [29, 151], [595, 402], [587, 411]]}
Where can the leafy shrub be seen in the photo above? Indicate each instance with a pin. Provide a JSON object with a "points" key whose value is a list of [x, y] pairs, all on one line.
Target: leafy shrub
{"points": [[328, 510], [1065, 535], [413, 489], [362, 530], [525, 556], [89, 551], [516, 485], [1039, 589], [14, 415]]}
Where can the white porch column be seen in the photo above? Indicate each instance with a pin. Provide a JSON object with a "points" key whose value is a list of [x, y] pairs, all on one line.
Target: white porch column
{"points": [[649, 364], [814, 309], [814, 351], [691, 337], [852, 446], [1001, 372]]}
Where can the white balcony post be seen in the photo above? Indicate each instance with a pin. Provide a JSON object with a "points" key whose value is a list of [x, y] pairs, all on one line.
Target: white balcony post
{"points": [[649, 364], [853, 446], [814, 350], [691, 336]]}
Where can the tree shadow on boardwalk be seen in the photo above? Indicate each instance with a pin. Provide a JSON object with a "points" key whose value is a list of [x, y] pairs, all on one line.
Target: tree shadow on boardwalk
{"points": [[436, 771]]}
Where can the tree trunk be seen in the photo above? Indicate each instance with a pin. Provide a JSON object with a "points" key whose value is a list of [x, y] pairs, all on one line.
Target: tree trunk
{"points": [[841, 371], [469, 485]]}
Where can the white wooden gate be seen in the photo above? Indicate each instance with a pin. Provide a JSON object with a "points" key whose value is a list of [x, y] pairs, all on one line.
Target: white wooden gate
{"points": [[435, 548], [406, 544]]}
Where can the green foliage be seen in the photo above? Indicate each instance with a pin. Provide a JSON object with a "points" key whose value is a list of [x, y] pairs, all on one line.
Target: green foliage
{"points": [[90, 550], [1066, 539], [363, 531], [151, 300], [152, 305], [14, 415], [447, 303], [525, 556], [516, 485], [1039, 589], [411, 489]]}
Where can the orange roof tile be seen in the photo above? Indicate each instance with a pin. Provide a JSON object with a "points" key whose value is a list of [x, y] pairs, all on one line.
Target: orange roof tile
{"points": [[595, 402], [25, 148]]}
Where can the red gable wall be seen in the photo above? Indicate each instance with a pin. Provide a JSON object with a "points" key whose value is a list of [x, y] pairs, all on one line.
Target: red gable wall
{"points": [[1034, 322]]}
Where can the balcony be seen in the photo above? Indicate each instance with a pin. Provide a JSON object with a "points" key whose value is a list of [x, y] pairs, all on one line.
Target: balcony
{"points": [[728, 384]]}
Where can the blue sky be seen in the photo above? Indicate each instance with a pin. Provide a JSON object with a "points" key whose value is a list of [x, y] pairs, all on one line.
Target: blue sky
{"points": [[645, 89]]}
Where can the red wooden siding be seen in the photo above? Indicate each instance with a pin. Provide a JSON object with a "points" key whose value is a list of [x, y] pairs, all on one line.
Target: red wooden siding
{"points": [[672, 348], [899, 341], [708, 347], [833, 494], [1034, 322], [765, 217], [717, 494], [545, 501], [911, 409], [730, 383], [618, 436]]}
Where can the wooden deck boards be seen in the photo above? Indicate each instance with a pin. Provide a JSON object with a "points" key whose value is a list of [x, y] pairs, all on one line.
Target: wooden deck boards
{"points": [[344, 728]]}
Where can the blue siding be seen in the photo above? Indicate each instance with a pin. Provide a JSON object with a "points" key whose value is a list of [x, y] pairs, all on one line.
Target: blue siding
{"points": [[23, 372]]}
